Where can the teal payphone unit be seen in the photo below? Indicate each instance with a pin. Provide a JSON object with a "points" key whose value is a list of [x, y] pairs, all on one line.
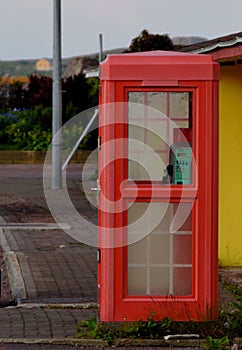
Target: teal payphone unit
{"points": [[182, 165], [179, 170]]}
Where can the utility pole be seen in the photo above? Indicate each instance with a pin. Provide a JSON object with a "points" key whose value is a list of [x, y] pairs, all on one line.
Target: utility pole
{"points": [[100, 48], [57, 99]]}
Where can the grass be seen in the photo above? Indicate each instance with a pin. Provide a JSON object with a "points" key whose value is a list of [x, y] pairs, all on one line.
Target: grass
{"points": [[217, 333]]}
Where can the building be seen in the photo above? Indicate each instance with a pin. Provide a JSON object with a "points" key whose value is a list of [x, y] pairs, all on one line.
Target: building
{"points": [[43, 65], [227, 50]]}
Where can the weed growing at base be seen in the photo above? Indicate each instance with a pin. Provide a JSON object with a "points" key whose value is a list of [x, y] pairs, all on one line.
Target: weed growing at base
{"points": [[217, 333]]}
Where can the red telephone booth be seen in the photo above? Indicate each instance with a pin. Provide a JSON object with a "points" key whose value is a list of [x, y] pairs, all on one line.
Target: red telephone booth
{"points": [[158, 187]]}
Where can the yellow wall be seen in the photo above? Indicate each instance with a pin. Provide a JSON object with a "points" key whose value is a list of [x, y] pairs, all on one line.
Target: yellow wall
{"points": [[230, 166]]}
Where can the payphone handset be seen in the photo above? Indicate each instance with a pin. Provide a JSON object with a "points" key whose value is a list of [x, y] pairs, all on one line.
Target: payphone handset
{"points": [[181, 156], [181, 161], [179, 169]]}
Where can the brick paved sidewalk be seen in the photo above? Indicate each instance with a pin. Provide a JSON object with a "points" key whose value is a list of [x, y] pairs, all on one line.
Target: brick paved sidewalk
{"points": [[54, 267], [41, 322], [45, 266]]}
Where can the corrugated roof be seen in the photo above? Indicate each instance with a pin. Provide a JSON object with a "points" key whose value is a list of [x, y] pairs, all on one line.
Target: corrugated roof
{"points": [[214, 44]]}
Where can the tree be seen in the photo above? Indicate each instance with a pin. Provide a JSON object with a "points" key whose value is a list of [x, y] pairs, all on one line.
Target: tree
{"points": [[11, 96], [150, 42], [26, 118], [39, 91], [16, 93], [75, 98]]}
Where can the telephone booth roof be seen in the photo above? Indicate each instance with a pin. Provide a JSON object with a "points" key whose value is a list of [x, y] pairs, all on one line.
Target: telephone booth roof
{"points": [[161, 66]]}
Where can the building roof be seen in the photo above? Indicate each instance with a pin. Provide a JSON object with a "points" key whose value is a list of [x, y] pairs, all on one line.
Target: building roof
{"points": [[73, 68], [222, 48]]}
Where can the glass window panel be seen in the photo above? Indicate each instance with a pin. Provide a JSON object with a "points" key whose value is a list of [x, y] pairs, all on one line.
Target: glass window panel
{"points": [[136, 210], [182, 281], [182, 249], [162, 248], [182, 124], [159, 281], [135, 169], [159, 248], [137, 281], [182, 217], [157, 100], [179, 104], [166, 130], [137, 252], [136, 97], [157, 136]]}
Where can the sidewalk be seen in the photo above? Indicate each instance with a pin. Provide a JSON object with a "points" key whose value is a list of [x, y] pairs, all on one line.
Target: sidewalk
{"points": [[53, 277]]}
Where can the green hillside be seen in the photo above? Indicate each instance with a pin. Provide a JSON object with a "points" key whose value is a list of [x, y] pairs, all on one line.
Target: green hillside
{"points": [[26, 67]]}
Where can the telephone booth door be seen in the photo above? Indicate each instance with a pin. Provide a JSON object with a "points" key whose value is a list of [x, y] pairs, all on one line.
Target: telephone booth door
{"points": [[158, 187]]}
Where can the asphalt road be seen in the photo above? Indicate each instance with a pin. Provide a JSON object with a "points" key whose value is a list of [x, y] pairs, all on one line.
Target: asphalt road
{"points": [[26, 180]]}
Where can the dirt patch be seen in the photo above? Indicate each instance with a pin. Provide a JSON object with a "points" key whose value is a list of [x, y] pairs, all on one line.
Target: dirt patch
{"points": [[19, 210]]}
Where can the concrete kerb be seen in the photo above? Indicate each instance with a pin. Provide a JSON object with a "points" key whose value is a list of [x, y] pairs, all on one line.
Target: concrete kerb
{"points": [[122, 343], [97, 343], [13, 269], [15, 276]]}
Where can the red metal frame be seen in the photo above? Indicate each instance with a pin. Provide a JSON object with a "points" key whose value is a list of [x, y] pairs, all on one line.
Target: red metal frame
{"points": [[200, 76]]}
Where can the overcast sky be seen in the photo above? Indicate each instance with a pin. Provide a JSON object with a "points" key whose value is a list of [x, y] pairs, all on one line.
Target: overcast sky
{"points": [[26, 25]]}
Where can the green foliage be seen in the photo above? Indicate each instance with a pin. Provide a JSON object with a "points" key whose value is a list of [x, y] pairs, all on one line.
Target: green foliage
{"points": [[217, 333], [71, 134], [109, 331], [17, 68], [25, 67], [90, 325], [235, 323], [5, 122], [70, 110], [216, 343], [32, 106], [150, 42], [151, 329], [93, 86], [27, 133]]}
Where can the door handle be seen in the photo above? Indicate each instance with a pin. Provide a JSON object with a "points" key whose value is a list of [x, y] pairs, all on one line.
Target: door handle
{"points": [[97, 189]]}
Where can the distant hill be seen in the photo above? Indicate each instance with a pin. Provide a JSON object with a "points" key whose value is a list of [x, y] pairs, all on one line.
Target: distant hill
{"points": [[187, 40], [26, 67]]}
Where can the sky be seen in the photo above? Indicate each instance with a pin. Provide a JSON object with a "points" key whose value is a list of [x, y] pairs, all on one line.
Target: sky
{"points": [[26, 26]]}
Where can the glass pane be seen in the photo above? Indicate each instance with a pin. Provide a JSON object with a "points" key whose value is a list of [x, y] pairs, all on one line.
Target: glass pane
{"points": [[160, 137], [157, 100], [137, 281], [160, 260], [182, 281], [159, 281], [182, 249], [179, 104]]}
